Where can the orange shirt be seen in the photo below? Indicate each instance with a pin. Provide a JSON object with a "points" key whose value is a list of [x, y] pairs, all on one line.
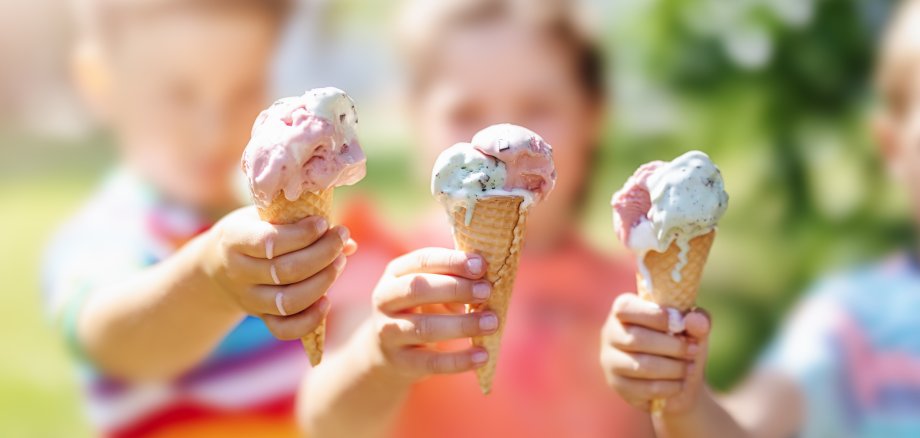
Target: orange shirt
{"points": [[549, 381]]}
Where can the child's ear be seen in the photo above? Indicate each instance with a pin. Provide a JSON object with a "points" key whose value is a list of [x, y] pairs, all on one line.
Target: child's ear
{"points": [[884, 130], [92, 77]]}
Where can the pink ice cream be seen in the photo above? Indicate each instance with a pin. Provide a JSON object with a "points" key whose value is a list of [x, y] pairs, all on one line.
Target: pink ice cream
{"points": [[304, 144], [528, 159], [632, 203]]}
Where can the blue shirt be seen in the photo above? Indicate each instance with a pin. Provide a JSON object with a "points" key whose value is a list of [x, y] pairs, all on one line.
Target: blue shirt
{"points": [[853, 348]]}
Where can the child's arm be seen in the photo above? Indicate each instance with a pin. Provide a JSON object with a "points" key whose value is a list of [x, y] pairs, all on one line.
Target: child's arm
{"points": [[166, 319], [358, 392], [643, 362]]}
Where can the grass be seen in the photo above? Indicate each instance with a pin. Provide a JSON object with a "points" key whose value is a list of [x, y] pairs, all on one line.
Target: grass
{"points": [[38, 392]]}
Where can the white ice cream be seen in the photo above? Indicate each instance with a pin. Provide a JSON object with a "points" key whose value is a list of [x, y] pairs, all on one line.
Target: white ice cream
{"points": [[668, 203], [688, 197]]}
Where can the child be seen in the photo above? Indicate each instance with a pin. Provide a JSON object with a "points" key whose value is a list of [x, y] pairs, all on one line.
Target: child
{"points": [[474, 64], [151, 297], [848, 362]]}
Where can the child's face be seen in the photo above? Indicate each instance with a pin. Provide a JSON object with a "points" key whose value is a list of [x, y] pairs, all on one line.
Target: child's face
{"points": [[903, 149], [504, 74], [183, 92]]}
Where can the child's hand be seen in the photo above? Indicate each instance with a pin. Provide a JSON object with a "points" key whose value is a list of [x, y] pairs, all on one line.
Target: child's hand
{"points": [[411, 311], [643, 362], [277, 272]]}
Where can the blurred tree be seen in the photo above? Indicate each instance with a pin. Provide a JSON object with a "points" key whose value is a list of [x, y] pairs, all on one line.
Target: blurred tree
{"points": [[778, 93]]}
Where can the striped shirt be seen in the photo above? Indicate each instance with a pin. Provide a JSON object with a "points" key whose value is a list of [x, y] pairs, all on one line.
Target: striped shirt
{"points": [[246, 386]]}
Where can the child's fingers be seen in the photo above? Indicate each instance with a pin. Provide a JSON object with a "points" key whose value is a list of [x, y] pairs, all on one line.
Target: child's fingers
{"points": [[293, 298], [637, 339], [260, 239], [698, 324], [292, 267], [438, 261], [298, 325], [644, 366], [410, 291], [630, 309], [414, 329], [423, 361]]}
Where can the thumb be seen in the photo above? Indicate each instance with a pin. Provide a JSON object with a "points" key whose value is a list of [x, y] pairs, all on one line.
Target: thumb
{"points": [[698, 324]]}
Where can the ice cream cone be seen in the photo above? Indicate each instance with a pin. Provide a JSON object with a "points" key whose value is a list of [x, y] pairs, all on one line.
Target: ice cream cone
{"points": [[661, 288], [283, 211], [496, 232]]}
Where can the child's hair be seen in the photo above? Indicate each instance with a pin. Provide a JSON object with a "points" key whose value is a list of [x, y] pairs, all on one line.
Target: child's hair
{"points": [[900, 52], [427, 23], [105, 19]]}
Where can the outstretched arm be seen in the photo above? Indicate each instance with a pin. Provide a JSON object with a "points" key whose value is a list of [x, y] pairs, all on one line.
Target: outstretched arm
{"points": [[164, 320], [643, 363]]}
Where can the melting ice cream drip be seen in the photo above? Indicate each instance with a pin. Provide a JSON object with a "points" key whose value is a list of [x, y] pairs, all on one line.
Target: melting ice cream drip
{"points": [[666, 203]]}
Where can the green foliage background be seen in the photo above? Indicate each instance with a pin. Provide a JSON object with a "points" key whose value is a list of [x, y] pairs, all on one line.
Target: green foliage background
{"points": [[791, 134]]}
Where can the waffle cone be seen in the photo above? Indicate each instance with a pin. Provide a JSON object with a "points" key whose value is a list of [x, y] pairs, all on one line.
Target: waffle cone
{"points": [[283, 211], [669, 293], [495, 232], [660, 265]]}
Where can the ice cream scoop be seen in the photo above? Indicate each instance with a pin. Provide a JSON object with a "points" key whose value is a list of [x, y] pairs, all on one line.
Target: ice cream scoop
{"points": [[303, 144], [501, 160], [669, 202], [527, 158]]}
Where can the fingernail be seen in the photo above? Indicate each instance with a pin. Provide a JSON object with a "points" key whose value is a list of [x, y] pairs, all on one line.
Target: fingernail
{"points": [[488, 322], [279, 303], [693, 349], [474, 265], [339, 262], [482, 290], [480, 357], [321, 225], [343, 233], [274, 273], [269, 248]]}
